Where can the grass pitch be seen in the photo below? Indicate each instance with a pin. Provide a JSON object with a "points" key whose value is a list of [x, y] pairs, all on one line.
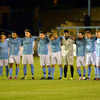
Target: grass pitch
{"points": [[48, 89]]}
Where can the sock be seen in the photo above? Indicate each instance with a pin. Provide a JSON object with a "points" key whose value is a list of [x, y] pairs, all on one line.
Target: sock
{"points": [[32, 70], [65, 71], [79, 72], [25, 70], [72, 70], [84, 72], [49, 71], [44, 71], [61, 71], [1, 70], [96, 71], [17, 71], [89, 72], [7, 71], [52, 72], [10, 71]]}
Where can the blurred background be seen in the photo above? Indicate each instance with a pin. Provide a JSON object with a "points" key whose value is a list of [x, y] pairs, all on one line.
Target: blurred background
{"points": [[47, 15]]}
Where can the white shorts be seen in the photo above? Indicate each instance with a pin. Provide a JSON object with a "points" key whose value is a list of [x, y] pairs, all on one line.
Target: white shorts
{"points": [[81, 61], [98, 61], [44, 60], [56, 58], [14, 58], [68, 60], [27, 59], [4, 62], [90, 59]]}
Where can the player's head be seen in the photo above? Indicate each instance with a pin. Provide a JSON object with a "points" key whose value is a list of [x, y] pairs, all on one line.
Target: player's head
{"points": [[3, 36], [14, 35], [27, 33], [80, 35], [51, 37], [98, 33], [42, 35], [88, 34], [66, 33]]}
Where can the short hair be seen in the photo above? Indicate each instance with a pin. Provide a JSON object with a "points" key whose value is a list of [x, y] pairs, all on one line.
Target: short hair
{"points": [[97, 31], [88, 32], [3, 33], [27, 30], [66, 31], [81, 33], [50, 35], [42, 32]]}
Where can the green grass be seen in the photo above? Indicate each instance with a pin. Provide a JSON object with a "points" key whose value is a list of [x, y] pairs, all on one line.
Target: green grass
{"points": [[48, 89]]}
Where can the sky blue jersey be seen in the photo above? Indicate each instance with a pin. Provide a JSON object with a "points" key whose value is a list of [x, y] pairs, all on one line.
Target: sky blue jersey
{"points": [[98, 47], [43, 46], [28, 45], [56, 44], [14, 45], [80, 47], [4, 50], [90, 45]]}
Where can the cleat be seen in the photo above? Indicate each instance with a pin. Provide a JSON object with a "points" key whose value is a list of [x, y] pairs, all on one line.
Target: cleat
{"points": [[65, 78], [15, 77], [60, 78], [48, 78], [87, 78], [83, 78], [95, 79], [43, 78], [33, 78], [71, 78], [80, 78], [24, 78], [6, 77], [52, 78], [10, 78]]}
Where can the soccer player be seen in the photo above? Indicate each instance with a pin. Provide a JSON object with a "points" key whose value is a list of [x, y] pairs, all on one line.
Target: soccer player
{"points": [[27, 57], [90, 48], [44, 54], [80, 53], [56, 56], [14, 45], [98, 53], [3, 54], [68, 57]]}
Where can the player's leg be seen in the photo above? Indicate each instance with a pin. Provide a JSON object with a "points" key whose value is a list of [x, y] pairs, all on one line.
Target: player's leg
{"points": [[65, 66], [61, 71], [52, 72], [98, 64], [17, 61], [11, 62], [1, 71]]}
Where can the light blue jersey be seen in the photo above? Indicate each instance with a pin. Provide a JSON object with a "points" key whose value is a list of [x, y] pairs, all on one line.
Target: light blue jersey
{"points": [[14, 45], [43, 46], [4, 50], [80, 47], [90, 45], [56, 44], [28, 45], [98, 47]]}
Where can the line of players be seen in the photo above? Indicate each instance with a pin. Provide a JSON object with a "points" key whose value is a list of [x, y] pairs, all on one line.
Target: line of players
{"points": [[87, 52]]}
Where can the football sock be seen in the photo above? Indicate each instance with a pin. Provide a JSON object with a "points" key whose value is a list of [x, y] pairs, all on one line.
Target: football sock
{"points": [[65, 70], [10, 71], [32, 69], [84, 72], [7, 70], [25, 70], [96, 71], [89, 72], [1, 70], [61, 71], [44, 71], [49, 71], [52, 72], [79, 72], [72, 70], [17, 71]]}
